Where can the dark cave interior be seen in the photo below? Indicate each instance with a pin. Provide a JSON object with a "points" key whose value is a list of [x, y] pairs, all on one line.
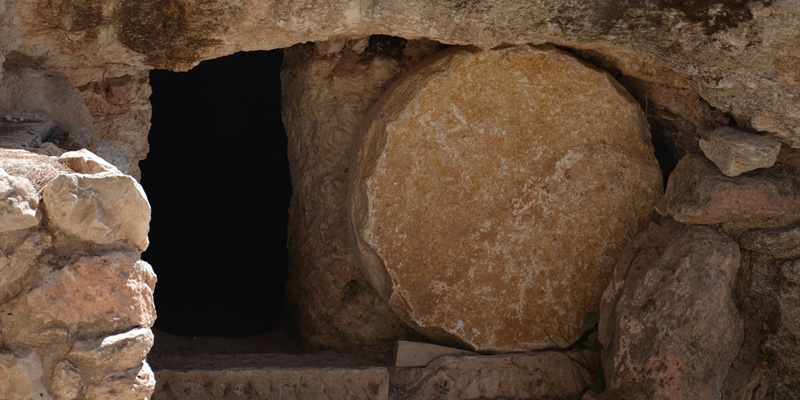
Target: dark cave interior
{"points": [[217, 178]]}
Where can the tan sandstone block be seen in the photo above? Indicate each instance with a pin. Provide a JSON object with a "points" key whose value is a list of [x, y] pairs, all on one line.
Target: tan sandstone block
{"points": [[698, 193], [492, 192], [735, 152], [114, 286]]}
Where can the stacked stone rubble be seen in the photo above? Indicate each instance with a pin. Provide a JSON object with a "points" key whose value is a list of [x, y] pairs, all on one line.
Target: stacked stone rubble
{"points": [[76, 300], [704, 303]]}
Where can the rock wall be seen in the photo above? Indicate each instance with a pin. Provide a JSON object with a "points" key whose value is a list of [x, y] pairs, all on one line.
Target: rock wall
{"points": [[327, 88], [76, 300], [740, 57], [693, 66], [706, 307]]}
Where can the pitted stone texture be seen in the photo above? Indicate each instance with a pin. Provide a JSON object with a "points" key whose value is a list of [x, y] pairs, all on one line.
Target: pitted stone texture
{"points": [[698, 193], [735, 152], [99, 208], [493, 190], [769, 304], [115, 353], [21, 259], [36, 168], [668, 322], [115, 287], [21, 377], [136, 383], [18, 203], [327, 89], [783, 242], [536, 375], [318, 383]]}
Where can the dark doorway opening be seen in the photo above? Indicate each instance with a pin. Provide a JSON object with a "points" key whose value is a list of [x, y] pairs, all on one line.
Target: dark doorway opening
{"points": [[217, 178]]}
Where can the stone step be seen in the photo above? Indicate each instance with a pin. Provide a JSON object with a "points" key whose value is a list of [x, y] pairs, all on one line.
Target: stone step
{"points": [[363, 374], [268, 376]]}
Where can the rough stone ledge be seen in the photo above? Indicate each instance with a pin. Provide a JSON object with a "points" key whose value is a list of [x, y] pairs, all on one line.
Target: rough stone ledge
{"points": [[273, 382]]}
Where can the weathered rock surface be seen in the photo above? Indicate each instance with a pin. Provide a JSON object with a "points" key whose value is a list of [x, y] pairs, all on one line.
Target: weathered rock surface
{"points": [[541, 375], [698, 193], [85, 162], [668, 323], [115, 287], [742, 57], [735, 152], [38, 169], [284, 383], [66, 381], [134, 384], [49, 94], [120, 105], [769, 294], [23, 130], [99, 208], [60, 298], [18, 204], [18, 260], [50, 109], [21, 377], [489, 220], [327, 88], [783, 242], [116, 353]]}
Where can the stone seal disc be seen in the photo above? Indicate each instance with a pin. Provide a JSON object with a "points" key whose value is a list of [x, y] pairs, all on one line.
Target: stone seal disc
{"points": [[491, 193]]}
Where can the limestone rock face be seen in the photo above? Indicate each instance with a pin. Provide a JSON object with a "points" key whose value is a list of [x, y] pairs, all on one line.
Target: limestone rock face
{"points": [[47, 93], [492, 192], [769, 304], [327, 89], [668, 323], [117, 352], [101, 208], [18, 204], [21, 377], [115, 287], [736, 152], [20, 261], [86, 162]]}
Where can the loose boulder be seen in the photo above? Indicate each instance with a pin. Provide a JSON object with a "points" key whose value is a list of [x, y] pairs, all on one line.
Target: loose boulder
{"points": [[736, 152], [492, 191], [698, 193], [668, 323]]}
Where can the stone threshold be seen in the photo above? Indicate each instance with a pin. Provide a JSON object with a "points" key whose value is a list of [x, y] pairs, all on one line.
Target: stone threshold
{"points": [[364, 374]]}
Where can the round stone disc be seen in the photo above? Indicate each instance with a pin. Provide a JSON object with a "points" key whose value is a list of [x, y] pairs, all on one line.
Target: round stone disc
{"points": [[492, 192]]}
